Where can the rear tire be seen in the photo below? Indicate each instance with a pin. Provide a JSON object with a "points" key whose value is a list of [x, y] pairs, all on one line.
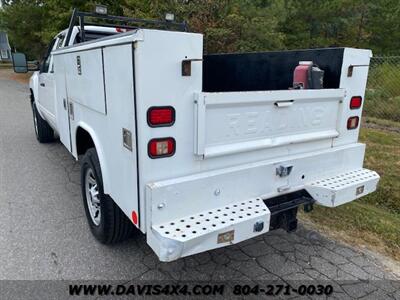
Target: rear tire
{"points": [[44, 133], [106, 220]]}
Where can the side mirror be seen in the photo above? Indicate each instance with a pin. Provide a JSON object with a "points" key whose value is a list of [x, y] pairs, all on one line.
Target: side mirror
{"points": [[20, 64]]}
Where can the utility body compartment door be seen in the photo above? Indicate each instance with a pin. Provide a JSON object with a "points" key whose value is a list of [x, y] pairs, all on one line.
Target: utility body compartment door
{"points": [[80, 82], [237, 122], [86, 68]]}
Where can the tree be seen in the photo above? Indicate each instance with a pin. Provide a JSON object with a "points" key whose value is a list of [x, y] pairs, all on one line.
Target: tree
{"points": [[346, 23], [227, 25], [31, 24], [383, 26], [25, 21]]}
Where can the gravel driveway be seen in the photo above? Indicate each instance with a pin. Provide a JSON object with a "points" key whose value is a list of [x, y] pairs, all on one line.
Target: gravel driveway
{"points": [[44, 235]]}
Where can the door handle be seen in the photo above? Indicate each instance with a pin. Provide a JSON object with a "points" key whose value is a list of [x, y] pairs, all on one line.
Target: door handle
{"points": [[42, 84], [71, 110], [284, 103], [65, 103]]}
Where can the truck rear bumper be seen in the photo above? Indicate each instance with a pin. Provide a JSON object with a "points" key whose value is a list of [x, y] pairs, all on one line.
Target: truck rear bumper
{"points": [[200, 212]]}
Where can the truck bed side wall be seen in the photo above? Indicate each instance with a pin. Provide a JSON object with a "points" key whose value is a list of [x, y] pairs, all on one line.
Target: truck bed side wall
{"points": [[354, 85]]}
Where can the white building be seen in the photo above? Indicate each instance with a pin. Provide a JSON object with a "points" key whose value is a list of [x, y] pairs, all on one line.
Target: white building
{"points": [[5, 49]]}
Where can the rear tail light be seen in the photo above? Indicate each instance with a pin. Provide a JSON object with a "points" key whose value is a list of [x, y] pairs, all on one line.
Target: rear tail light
{"points": [[352, 122], [162, 147], [355, 102], [161, 116]]}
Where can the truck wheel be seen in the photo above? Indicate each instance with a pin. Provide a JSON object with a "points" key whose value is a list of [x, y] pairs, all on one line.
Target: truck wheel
{"points": [[107, 221], [44, 133]]}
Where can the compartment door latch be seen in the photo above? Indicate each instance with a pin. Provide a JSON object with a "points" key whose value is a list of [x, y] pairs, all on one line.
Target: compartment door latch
{"points": [[127, 138]]}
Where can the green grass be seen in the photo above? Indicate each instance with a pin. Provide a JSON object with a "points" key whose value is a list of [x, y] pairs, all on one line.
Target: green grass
{"points": [[383, 156], [374, 219], [382, 122], [381, 104]]}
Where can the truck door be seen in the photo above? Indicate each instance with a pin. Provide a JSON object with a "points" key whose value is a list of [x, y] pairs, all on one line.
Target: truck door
{"points": [[61, 97], [61, 104], [46, 90]]}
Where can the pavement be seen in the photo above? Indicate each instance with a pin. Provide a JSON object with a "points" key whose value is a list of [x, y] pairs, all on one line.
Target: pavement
{"points": [[44, 234]]}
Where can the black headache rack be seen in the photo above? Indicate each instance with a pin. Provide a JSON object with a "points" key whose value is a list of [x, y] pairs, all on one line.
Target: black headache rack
{"points": [[80, 16]]}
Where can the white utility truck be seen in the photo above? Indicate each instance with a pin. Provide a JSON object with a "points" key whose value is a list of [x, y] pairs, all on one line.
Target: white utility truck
{"points": [[199, 151]]}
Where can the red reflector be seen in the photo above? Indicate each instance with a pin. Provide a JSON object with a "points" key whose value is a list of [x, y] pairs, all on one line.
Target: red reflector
{"points": [[134, 217], [163, 147], [352, 122], [355, 102], [161, 116]]}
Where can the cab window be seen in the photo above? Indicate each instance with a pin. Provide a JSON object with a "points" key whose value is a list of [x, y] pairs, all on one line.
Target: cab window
{"points": [[44, 68], [60, 41]]}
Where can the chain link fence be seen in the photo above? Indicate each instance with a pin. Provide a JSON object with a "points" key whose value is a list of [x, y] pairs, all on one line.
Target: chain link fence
{"points": [[381, 134], [382, 96]]}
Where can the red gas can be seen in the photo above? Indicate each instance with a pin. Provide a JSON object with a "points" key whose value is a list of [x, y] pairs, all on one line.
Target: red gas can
{"points": [[307, 76]]}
